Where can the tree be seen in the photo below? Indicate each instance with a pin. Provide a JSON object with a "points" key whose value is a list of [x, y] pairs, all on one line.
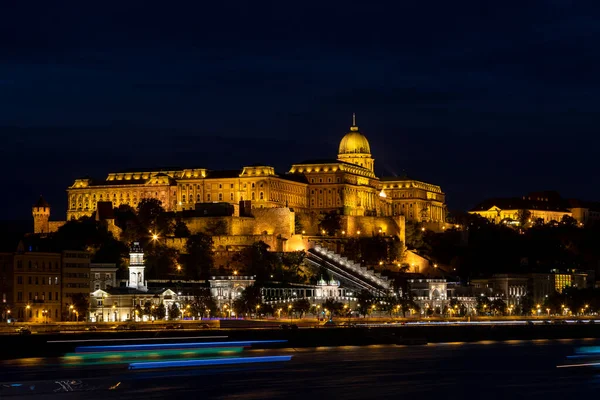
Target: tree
{"points": [[483, 305], [174, 312], [160, 260], [456, 306], [249, 299], [526, 304], [181, 229], [301, 306], [124, 216], [203, 303], [396, 250], [330, 223], [291, 261], [524, 217], [498, 306], [257, 260], [365, 300], [152, 217], [414, 235], [199, 257], [568, 220], [81, 304], [147, 310], [159, 312], [298, 228], [333, 306]]}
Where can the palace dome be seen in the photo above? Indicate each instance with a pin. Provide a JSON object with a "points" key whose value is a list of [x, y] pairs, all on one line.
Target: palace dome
{"points": [[354, 143]]}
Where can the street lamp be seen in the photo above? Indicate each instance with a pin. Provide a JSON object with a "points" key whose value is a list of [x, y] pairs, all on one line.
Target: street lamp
{"points": [[290, 312], [257, 308], [71, 312]]}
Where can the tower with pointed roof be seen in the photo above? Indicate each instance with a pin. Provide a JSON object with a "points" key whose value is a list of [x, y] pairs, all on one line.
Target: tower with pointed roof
{"points": [[355, 149], [41, 216]]}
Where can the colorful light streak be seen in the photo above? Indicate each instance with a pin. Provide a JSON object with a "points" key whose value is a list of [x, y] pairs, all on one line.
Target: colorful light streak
{"points": [[206, 362], [166, 346]]}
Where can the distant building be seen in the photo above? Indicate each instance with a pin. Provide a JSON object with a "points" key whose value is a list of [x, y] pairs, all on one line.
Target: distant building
{"points": [[75, 278], [513, 287], [103, 276], [37, 286], [547, 206]]}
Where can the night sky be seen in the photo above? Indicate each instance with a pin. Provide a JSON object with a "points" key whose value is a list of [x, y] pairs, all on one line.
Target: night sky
{"points": [[483, 98]]}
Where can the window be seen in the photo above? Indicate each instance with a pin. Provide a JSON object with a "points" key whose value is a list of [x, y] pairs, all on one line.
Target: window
{"points": [[183, 198], [208, 197], [231, 196], [99, 302], [37, 281], [97, 286], [49, 280], [30, 296], [198, 198], [20, 280], [97, 275], [19, 296], [49, 296], [56, 280], [253, 185], [320, 180], [261, 196], [29, 280], [220, 196], [107, 276], [220, 186], [253, 196], [56, 295], [231, 186], [43, 295]]}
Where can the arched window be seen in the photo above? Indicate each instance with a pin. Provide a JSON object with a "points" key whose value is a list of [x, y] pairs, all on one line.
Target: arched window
{"points": [[253, 196], [261, 196]]}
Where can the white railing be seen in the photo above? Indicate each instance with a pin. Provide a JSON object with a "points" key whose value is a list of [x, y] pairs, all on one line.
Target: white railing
{"points": [[354, 267]]}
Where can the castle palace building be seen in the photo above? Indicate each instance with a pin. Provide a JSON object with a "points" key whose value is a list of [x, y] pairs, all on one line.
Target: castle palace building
{"points": [[347, 185]]}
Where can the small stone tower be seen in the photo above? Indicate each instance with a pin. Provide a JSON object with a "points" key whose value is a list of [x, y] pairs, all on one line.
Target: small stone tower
{"points": [[136, 268], [41, 216]]}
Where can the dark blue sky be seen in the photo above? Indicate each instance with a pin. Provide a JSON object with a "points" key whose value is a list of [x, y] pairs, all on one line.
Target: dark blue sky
{"points": [[483, 98]]}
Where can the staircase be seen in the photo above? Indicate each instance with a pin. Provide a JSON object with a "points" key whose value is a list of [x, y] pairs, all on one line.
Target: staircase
{"points": [[351, 273]]}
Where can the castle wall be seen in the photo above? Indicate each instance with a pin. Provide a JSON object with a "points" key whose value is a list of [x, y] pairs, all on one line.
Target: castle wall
{"points": [[53, 226], [371, 225], [417, 263], [269, 221]]}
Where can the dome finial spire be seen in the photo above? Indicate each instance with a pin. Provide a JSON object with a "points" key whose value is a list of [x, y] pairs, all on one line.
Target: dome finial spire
{"points": [[353, 119]]}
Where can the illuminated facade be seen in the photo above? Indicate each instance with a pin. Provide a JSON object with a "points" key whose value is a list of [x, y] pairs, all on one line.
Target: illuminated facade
{"points": [[545, 206], [346, 184]]}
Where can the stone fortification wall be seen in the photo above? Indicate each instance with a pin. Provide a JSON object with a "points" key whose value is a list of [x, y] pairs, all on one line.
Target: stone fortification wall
{"points": [[269, 221], [417, 263], [371, 225], [53, 226]]}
